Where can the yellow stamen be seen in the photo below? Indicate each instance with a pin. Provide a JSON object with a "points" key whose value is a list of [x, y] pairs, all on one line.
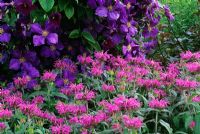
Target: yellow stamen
{"points": [[65, 81], [22, 60], [1, 30], [45, 33], [128, 6], [53, 48], [128, 24], [129, 47], [1, 55], [110, 7]]}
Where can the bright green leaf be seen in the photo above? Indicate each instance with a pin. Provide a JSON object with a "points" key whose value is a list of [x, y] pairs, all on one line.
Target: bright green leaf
{"points": [[47, 5], [74, 34], [69, 11], [62, 4]]}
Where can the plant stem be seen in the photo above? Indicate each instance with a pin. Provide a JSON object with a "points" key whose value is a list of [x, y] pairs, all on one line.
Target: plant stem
{"points": [[156, 123]]}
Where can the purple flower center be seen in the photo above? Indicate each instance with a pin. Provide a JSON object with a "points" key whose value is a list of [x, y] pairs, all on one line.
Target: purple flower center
{"points": [[110, 7], [45, 33], [1, 30], [128, 24], [22, 60], [53, 48], [65, 81], [1, 55], [128, 6], [129, 47], [25, 5]]}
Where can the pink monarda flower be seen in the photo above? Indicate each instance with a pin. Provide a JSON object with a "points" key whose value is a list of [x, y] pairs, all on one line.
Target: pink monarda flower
{"points": [[140, 71], [86, 120], [193, 67], [186, 84], [88, 95], [192, 124], [70, 108], [49, 76], [196, 99], [197, 55], [158, 104], [85, 59], [13, 101], [4, 93], [22, 81], [159, 93], [2, 126], [187, 55], [5, 113], [96, 71], [135, 122], [100, 117], [38, 100], [64, 129], [30, 109], [149, 83], [102, 56], [108, 88]]}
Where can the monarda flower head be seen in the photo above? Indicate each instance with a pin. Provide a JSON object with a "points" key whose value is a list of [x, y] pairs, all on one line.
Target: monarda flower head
{"points": [[49, 76], [5, 113], [108, 88], [193, 67], [158, 104], [2, 126], [184, 84], [196, 99], [62, 129], [135, 122]]}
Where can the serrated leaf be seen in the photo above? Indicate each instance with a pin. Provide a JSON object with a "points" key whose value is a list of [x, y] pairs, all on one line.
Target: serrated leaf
{"points": [[167, 126], [69, 11], [74, 34], [47, 5]]}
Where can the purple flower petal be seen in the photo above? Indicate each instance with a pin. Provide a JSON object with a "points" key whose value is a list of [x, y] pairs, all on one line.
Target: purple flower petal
{"points": [[124, 28], [52, 38], [14, 64], [102, 12], [5, 37], [36, 28], [113, 15], [38, 40]]}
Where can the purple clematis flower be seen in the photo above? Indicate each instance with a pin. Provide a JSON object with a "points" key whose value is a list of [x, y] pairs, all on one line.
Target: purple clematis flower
{"points": [[128, 26], [131, 49], [52, 51], [150, 32], [30, 70], [22, 59], [3, 57], [43, 34], [4, 34], [67, 77], [53, 22], [107, 9], [24, 6]]}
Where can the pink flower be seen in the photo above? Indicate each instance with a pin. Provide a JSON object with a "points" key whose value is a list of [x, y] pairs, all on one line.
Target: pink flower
{"points": [[108, 88], [187, 55], [96, 71], [196, 99], [49, 76], [193, 67], [160, 93], [135, 122], [102, 56], [62, 129], [158, 104], [149, 83], [13, 101], [38, 100], [186, 84], [22, 81], [5, 113], [2, 126], [192, 124], [86, 120], [85, 59]]}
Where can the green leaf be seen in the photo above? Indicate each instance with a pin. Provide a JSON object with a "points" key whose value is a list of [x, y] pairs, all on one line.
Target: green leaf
{"points": [[62, 4], [69, 11], [167, 126], [47, 5], [95, 45], [197, 121], [74, 34]]}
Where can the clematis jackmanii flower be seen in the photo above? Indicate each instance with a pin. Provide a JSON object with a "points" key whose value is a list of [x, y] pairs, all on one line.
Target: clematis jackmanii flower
{"points": [[132, 49], [43, 35], [24, 6], [4, 34], [107, 8], [128, 26], [3, 57]]}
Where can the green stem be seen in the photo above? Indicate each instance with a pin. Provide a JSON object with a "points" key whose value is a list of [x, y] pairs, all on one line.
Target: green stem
{"points": [[156, 123]]}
